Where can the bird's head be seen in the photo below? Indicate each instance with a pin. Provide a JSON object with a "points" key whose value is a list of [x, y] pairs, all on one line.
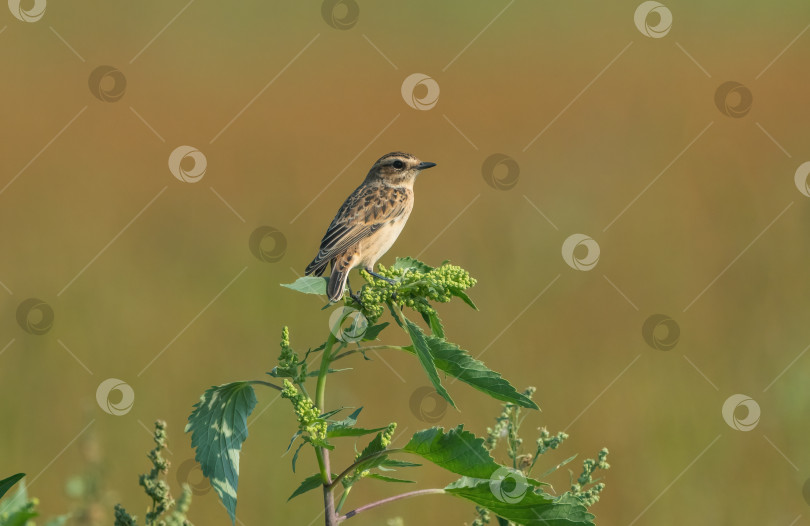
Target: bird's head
{"points": [[398, 169]]}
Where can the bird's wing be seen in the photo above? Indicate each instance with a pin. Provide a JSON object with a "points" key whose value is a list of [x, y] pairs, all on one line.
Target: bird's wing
{"points": [[365, 211]]}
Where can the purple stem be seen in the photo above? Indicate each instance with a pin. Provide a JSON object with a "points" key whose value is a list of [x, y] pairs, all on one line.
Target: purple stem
{"points": [[349, 515]]}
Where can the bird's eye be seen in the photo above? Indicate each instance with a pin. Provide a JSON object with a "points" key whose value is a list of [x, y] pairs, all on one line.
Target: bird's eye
{"points": [[398, 165]]}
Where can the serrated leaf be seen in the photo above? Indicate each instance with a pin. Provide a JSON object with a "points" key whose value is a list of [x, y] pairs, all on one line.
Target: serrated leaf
{"points": [[389, 479], [411, 263], [8, 482], [457, 362], [457, 450], [463, 296], [523, 504], [218, 427], [308, 285], [333, 412], [308, 484], [374, 331], [422, 351]]}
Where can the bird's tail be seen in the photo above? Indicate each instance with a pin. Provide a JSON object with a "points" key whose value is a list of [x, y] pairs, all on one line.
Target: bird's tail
{"points": [[340, 275]]}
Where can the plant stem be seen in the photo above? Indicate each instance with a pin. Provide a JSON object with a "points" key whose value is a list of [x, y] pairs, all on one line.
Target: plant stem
{"points": [[343, 499], [321, 453], [361, 509], [369, 348], [360, 461]]}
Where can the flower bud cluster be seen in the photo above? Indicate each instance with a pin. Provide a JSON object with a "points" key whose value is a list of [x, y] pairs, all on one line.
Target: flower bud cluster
{"points": [[412, 288], [288, 363], [309, 422], [589, 465]]}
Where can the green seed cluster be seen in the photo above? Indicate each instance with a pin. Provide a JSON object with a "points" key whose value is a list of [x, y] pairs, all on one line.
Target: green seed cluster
{"points": [[288, 364], [388, 434], [483, 517], [309, 421], [589, 465], [164, 510], [547, 441], [412, 288]]}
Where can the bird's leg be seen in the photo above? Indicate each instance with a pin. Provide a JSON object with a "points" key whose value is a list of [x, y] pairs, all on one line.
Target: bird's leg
{"points": [[371, 271], [352, 295]]}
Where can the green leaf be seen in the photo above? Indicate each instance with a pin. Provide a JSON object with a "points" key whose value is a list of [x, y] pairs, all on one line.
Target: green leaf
{"points": [[374, 331], [7, 483], [393, 463], [558, 466], [422, 351], [352, 432], [436, 325], [411, 264], [295, 455], [309, 285], [457, 362], [523, 504], [330, 371], [333, 412], [18, 508], [463, 296], [388, 479], [218, 428], [308, 484], [458, 451]]}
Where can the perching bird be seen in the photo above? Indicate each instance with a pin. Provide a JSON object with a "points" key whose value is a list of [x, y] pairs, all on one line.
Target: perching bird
{"points": [[369, 221]]}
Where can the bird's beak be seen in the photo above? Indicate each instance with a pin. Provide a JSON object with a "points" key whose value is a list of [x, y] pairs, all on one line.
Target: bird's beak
{"points": [[422, 166]]}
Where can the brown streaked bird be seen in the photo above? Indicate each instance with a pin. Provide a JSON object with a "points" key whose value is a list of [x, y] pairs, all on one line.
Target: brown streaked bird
{"points": [[369, 221]]}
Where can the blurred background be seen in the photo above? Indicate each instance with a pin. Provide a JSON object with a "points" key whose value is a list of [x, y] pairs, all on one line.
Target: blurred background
{"points": [[613, 120]]}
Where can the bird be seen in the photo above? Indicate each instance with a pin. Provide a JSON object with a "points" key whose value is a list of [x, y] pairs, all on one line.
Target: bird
{"points": [[368, 222]]}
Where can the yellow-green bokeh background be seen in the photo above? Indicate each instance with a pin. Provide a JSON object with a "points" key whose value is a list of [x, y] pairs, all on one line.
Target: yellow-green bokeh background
{"points": [[326, 107]]}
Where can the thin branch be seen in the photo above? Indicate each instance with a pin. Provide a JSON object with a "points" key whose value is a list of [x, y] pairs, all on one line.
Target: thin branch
{"points": [[361, 509], [268, 384], [369, 348], [360, 461]]}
